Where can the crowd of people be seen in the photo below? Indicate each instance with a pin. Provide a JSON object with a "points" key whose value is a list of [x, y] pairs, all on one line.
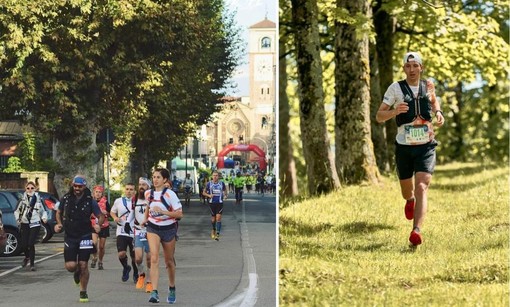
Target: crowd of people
{"points": [[146, 218]]}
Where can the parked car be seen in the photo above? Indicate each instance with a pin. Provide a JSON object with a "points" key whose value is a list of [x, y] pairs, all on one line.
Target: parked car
{"points": [[49, 203], [8, 202]]}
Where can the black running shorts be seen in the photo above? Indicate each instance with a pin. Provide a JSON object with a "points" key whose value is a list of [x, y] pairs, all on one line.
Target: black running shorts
{"points": [[411, 159], [78, 249], [123, 242], [216, 208]]}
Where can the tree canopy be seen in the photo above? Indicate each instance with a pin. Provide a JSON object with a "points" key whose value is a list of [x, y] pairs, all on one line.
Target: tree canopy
{"points": [[150, 70], [465, 48]]}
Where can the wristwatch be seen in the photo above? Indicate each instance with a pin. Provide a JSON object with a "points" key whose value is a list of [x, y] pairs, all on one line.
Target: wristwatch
{"points": [[440, 111]]}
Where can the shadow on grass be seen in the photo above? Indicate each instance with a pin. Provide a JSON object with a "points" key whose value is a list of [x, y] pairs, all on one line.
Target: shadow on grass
{"points": [[364, 227], [480, 274], [465, 170], [315, 249], [290, 228], [293, 227], [354, 228], [461, 173]]}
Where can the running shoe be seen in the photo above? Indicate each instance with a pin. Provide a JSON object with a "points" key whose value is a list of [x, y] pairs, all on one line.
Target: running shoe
{"points": [[32, 268], [93, 263], [217, 237], [100, 266], [409, 209], [141, 281], [154, 297], [25, 262], [148, 287], [84, 298], [171, 296], [76, 276], [415, 238], [213, 234], [125, 273]]}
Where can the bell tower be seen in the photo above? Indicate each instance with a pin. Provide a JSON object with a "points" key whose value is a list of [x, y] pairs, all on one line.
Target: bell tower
{"points": [[262, 56]]}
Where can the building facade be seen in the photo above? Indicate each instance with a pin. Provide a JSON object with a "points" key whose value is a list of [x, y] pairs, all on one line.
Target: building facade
{"points": [[245, 124]]}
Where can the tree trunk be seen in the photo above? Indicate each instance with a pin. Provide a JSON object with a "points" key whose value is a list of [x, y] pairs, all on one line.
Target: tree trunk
{"points": [[458, 128], [355, 159], [287, 169], [75, 156], [377, 130], [384, 25], [320, 165]]}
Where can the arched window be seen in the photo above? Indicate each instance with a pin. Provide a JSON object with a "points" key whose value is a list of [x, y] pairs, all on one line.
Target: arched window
{"points": [[265, 43], [264, 122]]}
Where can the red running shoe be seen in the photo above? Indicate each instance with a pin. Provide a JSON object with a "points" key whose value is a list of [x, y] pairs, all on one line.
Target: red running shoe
{"points": [[409, 209], [415, 238]]}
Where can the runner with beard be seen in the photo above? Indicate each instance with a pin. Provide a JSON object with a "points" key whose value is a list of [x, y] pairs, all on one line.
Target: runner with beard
{"points": [[73, 215]]}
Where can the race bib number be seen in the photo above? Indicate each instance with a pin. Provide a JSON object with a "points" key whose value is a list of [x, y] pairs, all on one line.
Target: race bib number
{"points": [[86, 244], [36, 224], [142, 234], [417, 134], [216, 192]]}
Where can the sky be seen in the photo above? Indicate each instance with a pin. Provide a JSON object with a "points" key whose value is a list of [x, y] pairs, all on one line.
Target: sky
{"points": [[249, 12]]}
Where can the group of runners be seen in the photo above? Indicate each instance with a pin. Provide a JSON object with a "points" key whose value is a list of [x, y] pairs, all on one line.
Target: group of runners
{"points": [[147, 219]]}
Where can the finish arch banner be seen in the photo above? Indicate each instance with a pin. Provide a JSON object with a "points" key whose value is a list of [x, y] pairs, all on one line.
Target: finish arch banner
{"points": [[242, 147]]}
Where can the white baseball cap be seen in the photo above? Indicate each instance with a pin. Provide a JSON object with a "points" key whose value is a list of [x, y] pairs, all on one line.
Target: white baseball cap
{"points": [[412, 57]]}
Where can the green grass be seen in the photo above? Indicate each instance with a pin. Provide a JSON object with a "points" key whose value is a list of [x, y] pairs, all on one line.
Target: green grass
{"points": [[350, 248]]}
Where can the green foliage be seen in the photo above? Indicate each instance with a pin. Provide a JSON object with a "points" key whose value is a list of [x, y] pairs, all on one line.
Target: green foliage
{"points": [[353, 249], [114, 194], [13, 165], [155, 69], [28, 151], [462, 43]]}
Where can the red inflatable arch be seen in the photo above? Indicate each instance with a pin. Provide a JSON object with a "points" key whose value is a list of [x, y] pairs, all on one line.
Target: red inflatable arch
{"points": [[242, 147]]}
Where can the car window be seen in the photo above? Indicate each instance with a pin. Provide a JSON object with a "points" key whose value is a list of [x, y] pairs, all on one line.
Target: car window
{"points": [[4, 203]]}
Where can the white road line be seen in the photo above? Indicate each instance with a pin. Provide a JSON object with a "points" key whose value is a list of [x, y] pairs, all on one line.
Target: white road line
{"points": [[37, 261], [246, 297]]}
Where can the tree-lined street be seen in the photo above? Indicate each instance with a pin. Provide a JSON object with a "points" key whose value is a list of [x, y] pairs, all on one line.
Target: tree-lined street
{"points": [[238, 270]]}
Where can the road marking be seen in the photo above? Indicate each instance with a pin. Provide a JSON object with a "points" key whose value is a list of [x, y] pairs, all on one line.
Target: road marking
{"points": [[247, 296], [37, 261]]}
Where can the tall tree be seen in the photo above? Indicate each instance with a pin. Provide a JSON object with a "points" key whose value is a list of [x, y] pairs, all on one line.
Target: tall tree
{"points": [[287, 171], [321, 172], [384, 26], [71, 68], [355, 159]]}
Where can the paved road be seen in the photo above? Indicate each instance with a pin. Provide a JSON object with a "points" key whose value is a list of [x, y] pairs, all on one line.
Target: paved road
{"points": [[239, 270]]}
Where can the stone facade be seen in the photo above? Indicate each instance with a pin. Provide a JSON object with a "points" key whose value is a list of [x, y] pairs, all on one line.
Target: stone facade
{"points": [[251, 120]]}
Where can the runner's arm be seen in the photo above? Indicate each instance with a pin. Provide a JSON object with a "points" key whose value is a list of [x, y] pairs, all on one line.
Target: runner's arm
{"points": [[113, 213], [436, 108], [58, 218]]}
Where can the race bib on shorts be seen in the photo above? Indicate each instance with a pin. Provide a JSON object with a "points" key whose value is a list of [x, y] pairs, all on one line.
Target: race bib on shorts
{"points": [[86, 244], [142, 234]]}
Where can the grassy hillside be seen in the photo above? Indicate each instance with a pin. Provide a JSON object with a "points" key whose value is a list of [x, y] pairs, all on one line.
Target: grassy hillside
{"points": [[351, 248]]}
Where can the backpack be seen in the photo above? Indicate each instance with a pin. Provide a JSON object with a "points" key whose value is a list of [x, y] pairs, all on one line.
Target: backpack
{"points": [[163, 201]]}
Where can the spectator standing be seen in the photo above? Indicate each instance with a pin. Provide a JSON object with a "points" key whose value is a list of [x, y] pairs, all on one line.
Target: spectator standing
{"points": [[29, 214]]}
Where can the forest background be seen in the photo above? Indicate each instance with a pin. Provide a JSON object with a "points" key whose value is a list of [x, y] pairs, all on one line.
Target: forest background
{"points": [[337, 58]]}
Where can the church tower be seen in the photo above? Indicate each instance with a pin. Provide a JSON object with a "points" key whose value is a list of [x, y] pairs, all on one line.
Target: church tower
{"points": [[262, 58]]}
